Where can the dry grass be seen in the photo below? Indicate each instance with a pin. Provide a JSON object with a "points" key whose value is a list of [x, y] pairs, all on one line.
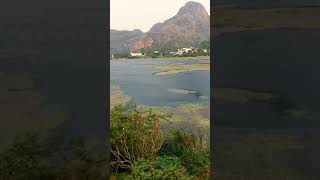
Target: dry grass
{"points": [[117, 96], [180, 68], [191, 116], [182, 91]]}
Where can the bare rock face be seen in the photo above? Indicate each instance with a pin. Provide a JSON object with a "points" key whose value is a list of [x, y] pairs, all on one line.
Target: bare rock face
{"points": [[120, 40], [143, 42], [188, 27]]}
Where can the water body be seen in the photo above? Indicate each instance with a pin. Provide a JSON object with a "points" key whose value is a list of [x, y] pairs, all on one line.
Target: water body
{"points": [[136, 78]]}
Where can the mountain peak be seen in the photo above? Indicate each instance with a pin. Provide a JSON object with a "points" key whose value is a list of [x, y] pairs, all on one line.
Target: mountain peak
{"points": [[193, 8], [189, 27], [193, 3], [137, 31]]}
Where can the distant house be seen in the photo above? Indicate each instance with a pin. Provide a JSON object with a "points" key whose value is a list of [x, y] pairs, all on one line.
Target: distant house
{"points": [[156, 52], [205, 51], [180, 52], [136, 54], [184, 50], [189, 49]]}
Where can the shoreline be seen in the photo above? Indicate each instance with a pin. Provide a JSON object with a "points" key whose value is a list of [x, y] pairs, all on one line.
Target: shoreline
{"points": [[192, 116], [167, 58], [179, 68]]}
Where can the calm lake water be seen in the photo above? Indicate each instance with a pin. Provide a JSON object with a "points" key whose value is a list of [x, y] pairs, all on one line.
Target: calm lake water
{"points": [[136, 79]]}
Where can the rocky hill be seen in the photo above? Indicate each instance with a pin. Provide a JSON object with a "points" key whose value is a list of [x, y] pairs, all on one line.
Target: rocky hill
{"points": [[189, 27], [120, 40]]}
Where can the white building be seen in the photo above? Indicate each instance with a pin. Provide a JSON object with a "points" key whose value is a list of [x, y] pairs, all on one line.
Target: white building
{"points": [[180, 52], [184, 50], [135, 54], [187, 49]]}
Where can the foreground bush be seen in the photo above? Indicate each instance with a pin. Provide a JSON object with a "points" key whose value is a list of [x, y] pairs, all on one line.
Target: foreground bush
{"points": [[178, 141], [191, 150], [134, 134], [141, 151], [197, 162], [165, 167]]}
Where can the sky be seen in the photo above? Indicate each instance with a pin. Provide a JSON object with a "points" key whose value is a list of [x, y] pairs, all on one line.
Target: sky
{"points": [[142, 14]]}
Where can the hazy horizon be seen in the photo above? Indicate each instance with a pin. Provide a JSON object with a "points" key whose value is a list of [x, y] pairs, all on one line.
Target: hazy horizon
{"points": [[143, 14]]}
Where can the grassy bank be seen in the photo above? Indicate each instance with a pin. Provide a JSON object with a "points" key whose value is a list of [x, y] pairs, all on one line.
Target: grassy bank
{"points": [[180, 68], [117, 96], [168, 58], [193, 117]]}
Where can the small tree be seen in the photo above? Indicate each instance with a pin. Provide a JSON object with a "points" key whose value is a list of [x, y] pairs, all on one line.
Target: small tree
{"points": [[134, 134]]}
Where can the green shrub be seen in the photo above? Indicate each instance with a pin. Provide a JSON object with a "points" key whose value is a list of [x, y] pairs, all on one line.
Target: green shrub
{"points": [[170, 147], [137, 144], [134, 134], [165, 167], [178, 141], [197, 162], [193, 153]]}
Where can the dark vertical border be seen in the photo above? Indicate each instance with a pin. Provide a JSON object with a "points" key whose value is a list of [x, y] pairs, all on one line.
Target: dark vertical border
{"points": [[64, 47], [107, 28], [211, 92]]}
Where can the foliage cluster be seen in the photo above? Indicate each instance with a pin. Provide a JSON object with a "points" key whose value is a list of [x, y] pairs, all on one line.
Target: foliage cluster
{"points": [[192, 151], [134, 134], [179, 155], [164, 167]]}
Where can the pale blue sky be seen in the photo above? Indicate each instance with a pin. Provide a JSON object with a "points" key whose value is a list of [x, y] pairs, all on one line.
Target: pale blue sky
{"points": [[142, 14]]}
